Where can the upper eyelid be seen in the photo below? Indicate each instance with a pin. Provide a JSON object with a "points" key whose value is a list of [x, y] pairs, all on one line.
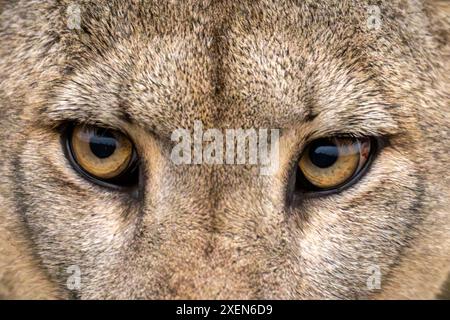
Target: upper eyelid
{"points": [[349, 133], [64, 119], [380, 139], [57, 115], [62, 127]]}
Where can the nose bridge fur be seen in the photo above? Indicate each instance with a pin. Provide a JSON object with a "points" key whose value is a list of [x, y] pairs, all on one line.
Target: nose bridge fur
{"points": [[210, 234]]}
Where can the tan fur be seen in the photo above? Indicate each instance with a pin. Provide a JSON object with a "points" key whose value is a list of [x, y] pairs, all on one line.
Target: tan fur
{"points": [[310, 68]]}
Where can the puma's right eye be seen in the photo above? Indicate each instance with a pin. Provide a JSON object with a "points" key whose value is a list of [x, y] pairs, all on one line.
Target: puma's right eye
{"points": [[328, 164], [102, 155]]}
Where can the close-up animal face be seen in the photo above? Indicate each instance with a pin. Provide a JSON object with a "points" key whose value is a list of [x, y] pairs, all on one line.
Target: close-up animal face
{"points": [[133, 134]]}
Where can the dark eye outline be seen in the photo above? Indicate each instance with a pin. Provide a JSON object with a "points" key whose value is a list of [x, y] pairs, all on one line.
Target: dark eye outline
{"points": [[126, 181], [377, 144]]}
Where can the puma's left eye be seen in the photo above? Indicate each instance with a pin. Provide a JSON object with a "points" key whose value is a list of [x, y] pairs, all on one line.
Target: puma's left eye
{"points": [[102, 155], [328, 164]]}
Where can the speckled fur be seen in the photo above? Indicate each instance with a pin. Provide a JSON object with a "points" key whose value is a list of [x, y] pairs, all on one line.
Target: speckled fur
{"points": [[309, 68]]}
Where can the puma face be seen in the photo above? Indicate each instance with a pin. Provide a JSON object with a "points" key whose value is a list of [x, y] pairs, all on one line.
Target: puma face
{"points": [[97, 99]]}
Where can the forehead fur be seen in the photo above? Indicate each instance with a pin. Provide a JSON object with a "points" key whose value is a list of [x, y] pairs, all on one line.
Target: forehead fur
{"points": [[265, 64]]}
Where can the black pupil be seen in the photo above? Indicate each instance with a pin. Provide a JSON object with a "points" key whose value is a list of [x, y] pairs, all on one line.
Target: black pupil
{"points": [[103, 144], [323, 153]]}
